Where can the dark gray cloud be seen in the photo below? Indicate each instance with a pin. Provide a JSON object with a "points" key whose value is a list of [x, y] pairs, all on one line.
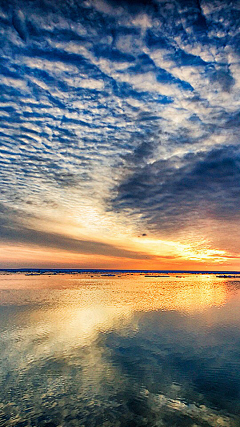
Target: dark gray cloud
{"points": [[171, 192]]}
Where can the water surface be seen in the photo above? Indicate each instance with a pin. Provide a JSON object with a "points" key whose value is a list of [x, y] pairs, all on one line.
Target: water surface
{"points": [[123, 350]]}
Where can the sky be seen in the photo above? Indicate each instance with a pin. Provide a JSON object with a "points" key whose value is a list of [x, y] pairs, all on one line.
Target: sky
{"points": [[119, 134]]}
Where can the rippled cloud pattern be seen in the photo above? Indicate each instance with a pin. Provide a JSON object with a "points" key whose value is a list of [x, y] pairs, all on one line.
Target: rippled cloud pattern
{"points": [[129, 106]]}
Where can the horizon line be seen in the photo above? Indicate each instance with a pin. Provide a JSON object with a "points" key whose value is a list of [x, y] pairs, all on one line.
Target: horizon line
{"points": [[85, 270]]}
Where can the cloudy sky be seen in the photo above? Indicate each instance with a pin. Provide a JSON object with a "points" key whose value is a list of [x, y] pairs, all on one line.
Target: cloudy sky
{"points": [[119, 134]]}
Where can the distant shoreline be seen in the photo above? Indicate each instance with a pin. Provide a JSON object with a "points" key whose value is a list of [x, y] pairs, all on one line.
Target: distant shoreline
{"points": [[41, 271]]}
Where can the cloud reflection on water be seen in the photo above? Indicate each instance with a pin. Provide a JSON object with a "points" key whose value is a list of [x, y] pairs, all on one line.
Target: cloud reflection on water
{"points": [[115, 350], [72, 311]]}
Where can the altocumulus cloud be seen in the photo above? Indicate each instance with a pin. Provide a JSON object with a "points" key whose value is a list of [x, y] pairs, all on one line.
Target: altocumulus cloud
{"points": [[133, 105], [197, 184]]}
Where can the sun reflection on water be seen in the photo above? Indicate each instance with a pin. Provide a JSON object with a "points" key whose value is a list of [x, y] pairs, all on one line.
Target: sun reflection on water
{"points": [[74, 310], [75, 347]]}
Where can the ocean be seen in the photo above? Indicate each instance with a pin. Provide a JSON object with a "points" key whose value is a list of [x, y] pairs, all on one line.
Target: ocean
{"points": [[119, 349]]}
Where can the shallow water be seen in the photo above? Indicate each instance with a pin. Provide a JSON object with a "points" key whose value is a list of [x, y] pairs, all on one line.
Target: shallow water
{"points": [[127, 350]]}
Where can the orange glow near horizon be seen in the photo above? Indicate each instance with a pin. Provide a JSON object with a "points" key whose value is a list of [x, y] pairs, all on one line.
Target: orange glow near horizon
{"points": [[33, 256]]}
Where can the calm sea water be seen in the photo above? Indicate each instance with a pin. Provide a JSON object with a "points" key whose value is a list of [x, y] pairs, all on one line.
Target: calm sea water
{"points": [[127, 350]]}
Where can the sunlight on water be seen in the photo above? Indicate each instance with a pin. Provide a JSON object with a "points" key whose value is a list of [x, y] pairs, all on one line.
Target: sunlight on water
{"points": [[120, 351]]}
